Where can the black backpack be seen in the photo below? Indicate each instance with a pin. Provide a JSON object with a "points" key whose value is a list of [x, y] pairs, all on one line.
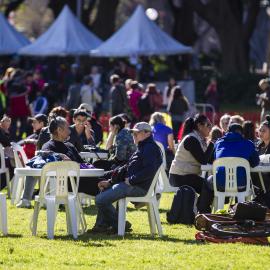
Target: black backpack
{"points": [[183, 209]]}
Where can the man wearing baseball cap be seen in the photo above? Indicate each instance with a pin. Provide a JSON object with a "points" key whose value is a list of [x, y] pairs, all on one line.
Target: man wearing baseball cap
{"points": [[135, 182]]}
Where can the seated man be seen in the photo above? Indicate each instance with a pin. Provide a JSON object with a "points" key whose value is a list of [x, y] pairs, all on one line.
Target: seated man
{"points": [[232, 144], [140, 171], [59, 130], [81, 132]]}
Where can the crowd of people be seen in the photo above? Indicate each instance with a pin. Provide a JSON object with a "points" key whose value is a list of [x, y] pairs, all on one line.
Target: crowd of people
{"points": [[135, 123]]}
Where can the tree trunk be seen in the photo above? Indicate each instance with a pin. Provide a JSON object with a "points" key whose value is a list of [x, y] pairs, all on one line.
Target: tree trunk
{"points": [[234, 51], [226, 16], [104, 24], [183, 27], [57, 5]]}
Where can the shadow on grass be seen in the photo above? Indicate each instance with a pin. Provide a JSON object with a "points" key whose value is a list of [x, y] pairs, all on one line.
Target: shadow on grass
{"points": [[13, 235]]}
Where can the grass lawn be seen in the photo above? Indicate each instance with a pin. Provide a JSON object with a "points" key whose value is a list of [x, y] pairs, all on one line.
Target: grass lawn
{"points": [[137, 250]]}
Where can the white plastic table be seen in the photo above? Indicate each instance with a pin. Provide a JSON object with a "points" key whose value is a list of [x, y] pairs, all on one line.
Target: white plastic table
{"points": [[92, 155], [258, 169], [20, 173]]}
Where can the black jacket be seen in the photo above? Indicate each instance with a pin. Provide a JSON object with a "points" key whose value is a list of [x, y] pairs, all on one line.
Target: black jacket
{"points": [[64, 148], [144, 163]]}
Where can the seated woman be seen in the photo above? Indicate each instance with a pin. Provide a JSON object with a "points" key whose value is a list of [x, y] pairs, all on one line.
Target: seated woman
{"points": [[5, 140], [119, 142], [192, 152], [59, 129], [263, 148], [164, 135]]}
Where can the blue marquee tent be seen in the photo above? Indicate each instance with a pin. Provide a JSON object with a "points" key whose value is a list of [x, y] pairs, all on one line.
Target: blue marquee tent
{"points": [[66, 36], [10, 39], [140, 36]]}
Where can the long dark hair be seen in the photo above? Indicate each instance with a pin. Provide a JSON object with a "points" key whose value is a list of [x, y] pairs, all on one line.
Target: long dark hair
{"points": [[249, 130], [118, 120], [191, 124]]}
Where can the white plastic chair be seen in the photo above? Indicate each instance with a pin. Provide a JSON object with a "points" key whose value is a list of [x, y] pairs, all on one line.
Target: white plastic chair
{"points": [[3, 214], [152, 208], [20, 162], [163, 183], [4, 169], [231, 164], [54, 191]]}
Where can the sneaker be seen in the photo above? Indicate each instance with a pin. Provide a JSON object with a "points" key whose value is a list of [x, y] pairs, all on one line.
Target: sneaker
{"points": [[24, 204]]}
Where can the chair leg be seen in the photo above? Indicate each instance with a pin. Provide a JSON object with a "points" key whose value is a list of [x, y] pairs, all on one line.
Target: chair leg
{"points": [[73, 217], [122, 209], [19, 189], [3, 214], [34, 221], [51, 216], [14, 188], [240, 198], [151, 218], [221, 200], [8, 183], [80, 218], [68, 220], [157, 218]]}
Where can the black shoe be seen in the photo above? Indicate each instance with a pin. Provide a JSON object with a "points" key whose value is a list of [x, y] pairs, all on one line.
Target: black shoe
{"points": [[99, 229]]}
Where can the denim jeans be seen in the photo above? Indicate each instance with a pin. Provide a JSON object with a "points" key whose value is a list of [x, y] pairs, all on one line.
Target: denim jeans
{"points": [[29, 187], [107, 214]]}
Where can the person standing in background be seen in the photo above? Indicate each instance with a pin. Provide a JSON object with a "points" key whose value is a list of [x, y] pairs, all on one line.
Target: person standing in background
{"points": [[211, 94], [118, 97], [177, 107], [263, 99]]}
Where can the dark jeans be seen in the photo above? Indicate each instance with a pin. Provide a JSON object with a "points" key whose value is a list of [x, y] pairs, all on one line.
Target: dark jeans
{"points": [[107, 214], [191, 180], [200, 186]]}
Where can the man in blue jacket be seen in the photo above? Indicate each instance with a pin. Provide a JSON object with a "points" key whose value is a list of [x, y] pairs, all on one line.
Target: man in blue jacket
{"points": [[232, 144], [140, 171]]}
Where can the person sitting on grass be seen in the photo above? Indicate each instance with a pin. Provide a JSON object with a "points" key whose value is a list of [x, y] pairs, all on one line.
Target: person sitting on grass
{"points": [[139, 174]]}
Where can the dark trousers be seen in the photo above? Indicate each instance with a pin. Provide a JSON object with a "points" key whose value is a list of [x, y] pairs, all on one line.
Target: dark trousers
{"points": [[191, 180], [200, 186]]}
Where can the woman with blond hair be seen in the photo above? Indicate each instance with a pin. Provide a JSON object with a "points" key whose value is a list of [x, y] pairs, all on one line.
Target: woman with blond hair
{"points": [[164, 135]]}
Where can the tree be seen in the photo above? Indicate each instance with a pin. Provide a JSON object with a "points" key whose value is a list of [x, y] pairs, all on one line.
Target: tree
{"points": [[233, 28], [183, 26], [104, 23]]}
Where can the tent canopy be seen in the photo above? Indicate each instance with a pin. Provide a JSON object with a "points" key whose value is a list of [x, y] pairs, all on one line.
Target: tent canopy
{"points": [[66, 36], [140, 36], [10, 39]]}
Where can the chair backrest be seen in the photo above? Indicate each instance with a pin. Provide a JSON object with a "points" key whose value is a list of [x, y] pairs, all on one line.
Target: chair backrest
{"points": [[19, 155], [231, 164], [164, 162], [54, 178], [152, 188]]}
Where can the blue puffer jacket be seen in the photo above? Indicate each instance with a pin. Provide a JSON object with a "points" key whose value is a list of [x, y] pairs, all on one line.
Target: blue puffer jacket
{"points": [[144, 163], [234, 145]]}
